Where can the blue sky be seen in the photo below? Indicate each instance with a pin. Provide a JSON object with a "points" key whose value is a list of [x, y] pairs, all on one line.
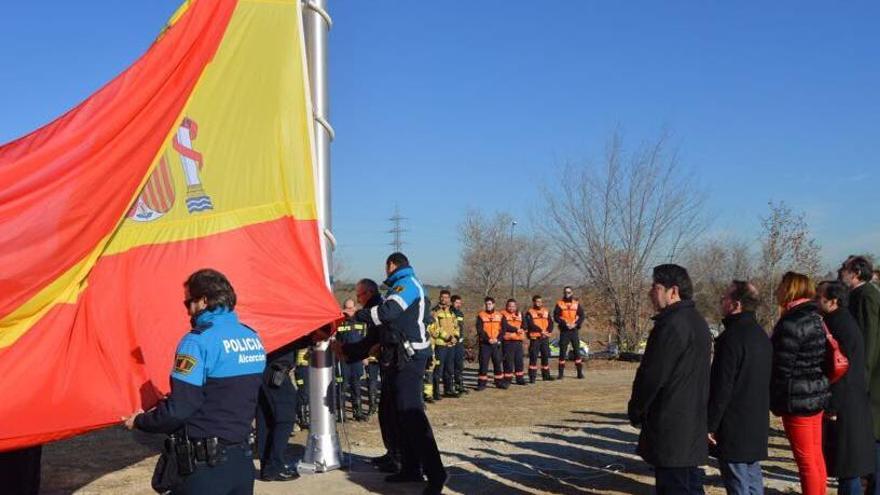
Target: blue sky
{"points": [[444, 106]]}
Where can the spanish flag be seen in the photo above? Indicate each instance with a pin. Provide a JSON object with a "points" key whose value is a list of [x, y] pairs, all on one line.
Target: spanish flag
{"points": [[199, 155]]}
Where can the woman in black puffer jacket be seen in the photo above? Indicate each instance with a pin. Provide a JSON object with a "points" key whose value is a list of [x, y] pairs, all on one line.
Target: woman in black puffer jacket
{"points": [[799, 389]]}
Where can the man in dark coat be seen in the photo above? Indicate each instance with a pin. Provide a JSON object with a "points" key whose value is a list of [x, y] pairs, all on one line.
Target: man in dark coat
{"points": [[368, 296], [739, 392], [864, 304], [847, 437], [671, 389]]}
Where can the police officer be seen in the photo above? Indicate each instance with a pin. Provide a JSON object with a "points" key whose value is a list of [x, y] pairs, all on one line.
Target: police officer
{"points": [[301, 377], [444, 332], [512, 342], [539, 326], [458, 374], [215, 382], [569, 315], [405, 315], [350, 373], [276, 413], [373, 372], [489, 334], [428, 378], [368, 296]]}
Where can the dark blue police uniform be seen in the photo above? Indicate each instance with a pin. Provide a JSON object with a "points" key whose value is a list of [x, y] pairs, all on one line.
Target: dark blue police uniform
{"points": [[405, 314], [350, 374], [214, 386], [276, 412]]}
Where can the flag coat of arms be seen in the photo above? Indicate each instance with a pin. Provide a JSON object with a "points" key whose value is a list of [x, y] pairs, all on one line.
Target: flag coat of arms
{"points": [[198, 155]]}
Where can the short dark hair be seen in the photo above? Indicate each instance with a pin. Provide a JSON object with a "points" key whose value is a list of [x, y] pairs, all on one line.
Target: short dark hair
{"points": [[746, 294], [834, 289], [671, 275], [444, 291], [536, 297], [456, 297], [567, 287], [511, 300], [860, 266], [369, 284], [398, 259], [488, 298], [213, 286]]}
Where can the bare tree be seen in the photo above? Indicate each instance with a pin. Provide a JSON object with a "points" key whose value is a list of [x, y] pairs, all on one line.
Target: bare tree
{"points": [[712, 266], [487, 252], [615, 221], [537, 264], [786, 245]]}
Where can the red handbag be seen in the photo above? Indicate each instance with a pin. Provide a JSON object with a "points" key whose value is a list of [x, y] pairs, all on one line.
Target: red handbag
{"points": [[836, 363]]}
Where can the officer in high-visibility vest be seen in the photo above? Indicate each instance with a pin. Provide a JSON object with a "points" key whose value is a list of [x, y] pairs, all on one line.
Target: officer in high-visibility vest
{"points": [[512, 342], [489, 335], [372, 385], [458, 374], [301, 378], [350, 374], [444, 332], [428, 377], [539, 326], [569, 315]]}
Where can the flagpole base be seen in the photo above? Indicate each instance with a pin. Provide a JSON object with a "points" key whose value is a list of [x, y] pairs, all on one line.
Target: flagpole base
{"points": [[322, 452]]}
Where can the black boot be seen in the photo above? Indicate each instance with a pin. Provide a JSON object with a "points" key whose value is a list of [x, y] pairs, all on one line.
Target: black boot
{"points": [[546, 376], [561, 373], [533, 375], [358, 411], [521, 381], [437, 394], [481, 385], [580, 368], [374, 403]]}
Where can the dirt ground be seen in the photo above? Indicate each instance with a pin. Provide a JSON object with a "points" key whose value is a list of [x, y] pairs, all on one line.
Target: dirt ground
{"points": [[567, 436]]}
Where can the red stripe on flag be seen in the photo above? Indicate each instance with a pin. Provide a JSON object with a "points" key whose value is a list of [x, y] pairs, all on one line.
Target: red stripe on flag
{"points": [[112, 350]]}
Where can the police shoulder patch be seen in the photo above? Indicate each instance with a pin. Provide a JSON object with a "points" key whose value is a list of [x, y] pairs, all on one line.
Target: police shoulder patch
{"points": [[398, 289], [184, 364]]}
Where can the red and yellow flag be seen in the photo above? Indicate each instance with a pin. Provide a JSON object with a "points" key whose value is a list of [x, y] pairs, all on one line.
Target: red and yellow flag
{"points": [[199, 155]]}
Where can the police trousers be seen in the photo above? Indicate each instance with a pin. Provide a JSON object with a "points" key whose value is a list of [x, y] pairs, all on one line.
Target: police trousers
{"points": [[301, 374], [444, 368], [458, 374], [352, 375], [490, 352], [276, 414], [373, 383], [388, 417], [234, 476], [418, 448], [513, 359], [566, 338]]}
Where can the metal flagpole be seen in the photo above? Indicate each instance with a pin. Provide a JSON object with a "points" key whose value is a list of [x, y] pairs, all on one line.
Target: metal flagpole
{"points": [[322, 449]]}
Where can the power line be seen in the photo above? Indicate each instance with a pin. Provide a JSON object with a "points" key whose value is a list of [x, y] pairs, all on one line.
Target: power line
{"points": [[397, 229]]}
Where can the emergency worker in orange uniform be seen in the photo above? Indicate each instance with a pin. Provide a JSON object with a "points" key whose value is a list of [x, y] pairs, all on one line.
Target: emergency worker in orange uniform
{"points": [[489, 335], [539, 326], [569, 316], [514, 334]]}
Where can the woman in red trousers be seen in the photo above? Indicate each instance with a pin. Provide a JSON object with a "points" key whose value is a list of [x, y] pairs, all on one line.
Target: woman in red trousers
{"points": [[799, 389]]}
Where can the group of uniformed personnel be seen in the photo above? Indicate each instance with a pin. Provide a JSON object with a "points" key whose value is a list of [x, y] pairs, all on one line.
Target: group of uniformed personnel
{"points": [[350, 376], [501, 335], [222, 375]]}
